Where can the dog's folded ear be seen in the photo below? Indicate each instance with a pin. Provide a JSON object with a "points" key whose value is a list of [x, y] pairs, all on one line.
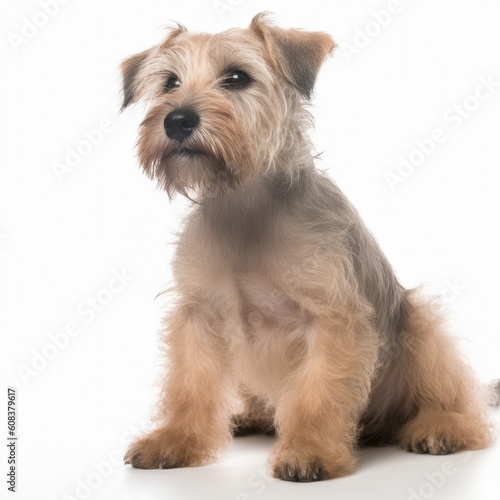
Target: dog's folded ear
{"points": [[132, 66], [296, 54], [130, 71]]}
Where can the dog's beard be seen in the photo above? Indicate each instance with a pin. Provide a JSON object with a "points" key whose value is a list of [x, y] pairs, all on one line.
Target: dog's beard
{"points": [[188, 171], [212, 159]]}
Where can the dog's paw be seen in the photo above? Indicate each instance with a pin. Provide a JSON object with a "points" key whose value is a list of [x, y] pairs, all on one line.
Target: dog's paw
{"points": [[148, 453], [308, 463], [444, 433], [436, 440], [306, 473], [166, 449], [140, 460], [433, 446]]}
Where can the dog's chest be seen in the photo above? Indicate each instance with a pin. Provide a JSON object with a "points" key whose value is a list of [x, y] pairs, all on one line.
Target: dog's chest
{"points": [[264, 307], [274, 330]]}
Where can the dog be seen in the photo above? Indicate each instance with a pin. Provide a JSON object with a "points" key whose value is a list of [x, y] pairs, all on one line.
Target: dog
{"points": [[287, 319]]}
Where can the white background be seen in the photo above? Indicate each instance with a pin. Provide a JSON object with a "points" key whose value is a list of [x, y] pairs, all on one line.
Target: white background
{"points": [[61, 239]]}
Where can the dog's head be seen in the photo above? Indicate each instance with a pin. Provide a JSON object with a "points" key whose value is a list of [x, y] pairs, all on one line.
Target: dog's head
{"points": [[224, 107]]}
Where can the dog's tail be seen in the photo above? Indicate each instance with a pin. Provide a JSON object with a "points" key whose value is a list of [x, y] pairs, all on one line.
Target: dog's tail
{"points": [[493, 393]]}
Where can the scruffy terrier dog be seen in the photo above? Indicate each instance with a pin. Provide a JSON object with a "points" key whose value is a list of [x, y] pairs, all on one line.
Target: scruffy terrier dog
{"points": [[288, 317]]}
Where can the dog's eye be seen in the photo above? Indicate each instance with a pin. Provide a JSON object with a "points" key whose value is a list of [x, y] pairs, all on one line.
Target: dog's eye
{"points": [[236, 80], [172, 83]]}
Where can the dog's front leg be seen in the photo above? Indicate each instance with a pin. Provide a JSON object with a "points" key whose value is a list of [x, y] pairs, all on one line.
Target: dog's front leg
{"points": [[318, 412], [194, 407]]}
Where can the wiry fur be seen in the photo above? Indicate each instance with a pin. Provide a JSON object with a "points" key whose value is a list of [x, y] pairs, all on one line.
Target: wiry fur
{"points": [[285, 301]]}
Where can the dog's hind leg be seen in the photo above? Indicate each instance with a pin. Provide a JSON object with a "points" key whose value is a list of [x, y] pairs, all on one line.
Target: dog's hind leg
{"points": [[256, 417], [451, 405]]}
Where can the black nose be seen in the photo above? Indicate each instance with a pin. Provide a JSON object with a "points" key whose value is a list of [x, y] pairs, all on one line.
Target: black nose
{"points": [[180, 123]]}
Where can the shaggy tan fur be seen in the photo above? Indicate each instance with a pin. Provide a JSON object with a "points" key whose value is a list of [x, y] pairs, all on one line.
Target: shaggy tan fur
{"points": [[287, 315]]}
